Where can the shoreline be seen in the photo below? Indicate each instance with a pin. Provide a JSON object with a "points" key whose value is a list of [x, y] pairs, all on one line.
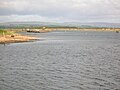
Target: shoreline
{"points": [[16, 39], [86, 29], [47, 29]]}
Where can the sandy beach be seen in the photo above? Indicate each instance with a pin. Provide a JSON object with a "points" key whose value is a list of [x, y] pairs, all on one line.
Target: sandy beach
{"points": [[15, 38]]}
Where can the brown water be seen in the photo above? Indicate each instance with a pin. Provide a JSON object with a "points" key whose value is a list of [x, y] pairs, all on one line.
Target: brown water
{"points": [[62, 61]]}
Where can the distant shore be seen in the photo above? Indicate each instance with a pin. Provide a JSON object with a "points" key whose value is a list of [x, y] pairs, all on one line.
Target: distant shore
{"points": [[86, 29], [49, 29], [11, 37]]}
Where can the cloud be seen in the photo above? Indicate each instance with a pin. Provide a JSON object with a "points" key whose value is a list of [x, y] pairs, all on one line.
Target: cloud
{"points": [[10, 18], [68, 10]]}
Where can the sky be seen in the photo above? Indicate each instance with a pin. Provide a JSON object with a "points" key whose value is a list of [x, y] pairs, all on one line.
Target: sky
{"points": [[60, 10]]}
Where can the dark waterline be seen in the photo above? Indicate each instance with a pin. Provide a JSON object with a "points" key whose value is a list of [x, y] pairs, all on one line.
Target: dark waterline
{"points": [[72, 60]]}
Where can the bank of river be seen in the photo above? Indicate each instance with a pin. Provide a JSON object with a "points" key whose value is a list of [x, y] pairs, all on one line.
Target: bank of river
{"points": [[16, 39], [71, 60], [7, 36]]}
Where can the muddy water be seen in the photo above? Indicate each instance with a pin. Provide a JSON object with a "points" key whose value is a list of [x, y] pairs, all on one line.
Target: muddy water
{"points": [[62, 61]]}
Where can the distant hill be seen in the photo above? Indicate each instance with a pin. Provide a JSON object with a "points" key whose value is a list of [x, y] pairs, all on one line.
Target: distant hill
{"points": [[96, 24], [54, 24]]}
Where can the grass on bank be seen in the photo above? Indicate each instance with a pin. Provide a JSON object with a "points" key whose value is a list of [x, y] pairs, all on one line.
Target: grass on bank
{"points": [[5, 32]]}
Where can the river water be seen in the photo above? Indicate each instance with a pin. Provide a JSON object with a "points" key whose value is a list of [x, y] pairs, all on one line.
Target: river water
{"points": [[72, 60]]}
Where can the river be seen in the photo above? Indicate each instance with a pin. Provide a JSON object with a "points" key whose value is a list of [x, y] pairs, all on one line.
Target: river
{"points": [[71, 60]]}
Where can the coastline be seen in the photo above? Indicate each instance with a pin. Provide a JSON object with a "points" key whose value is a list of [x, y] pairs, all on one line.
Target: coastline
{"points": [[15, 39], [48, 29], [86, 29]]}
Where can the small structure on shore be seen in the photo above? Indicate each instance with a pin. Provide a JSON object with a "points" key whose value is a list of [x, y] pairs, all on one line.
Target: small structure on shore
{"points": [[43, 28], [27, 29]]}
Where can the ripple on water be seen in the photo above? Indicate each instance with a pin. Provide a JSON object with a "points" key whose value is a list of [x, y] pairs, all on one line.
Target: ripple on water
{"points": [[78, 62]]}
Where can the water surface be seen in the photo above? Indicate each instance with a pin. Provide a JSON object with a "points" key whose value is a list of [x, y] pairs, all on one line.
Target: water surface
{"points": [[72, 60]]}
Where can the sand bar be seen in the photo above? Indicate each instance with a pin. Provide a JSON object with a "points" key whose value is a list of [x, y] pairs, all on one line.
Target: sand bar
{"points": [[15, 38]]}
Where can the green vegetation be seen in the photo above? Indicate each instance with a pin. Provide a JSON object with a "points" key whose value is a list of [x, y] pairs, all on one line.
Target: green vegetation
{"points": [[6, 32], [3, 31]]}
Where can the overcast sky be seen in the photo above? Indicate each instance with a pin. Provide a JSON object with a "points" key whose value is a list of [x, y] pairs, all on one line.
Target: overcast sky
{"points": [[60, 10]]}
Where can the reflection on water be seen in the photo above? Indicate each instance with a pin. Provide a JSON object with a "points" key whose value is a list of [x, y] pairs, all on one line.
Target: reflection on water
{"points": [[62, 61]]}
